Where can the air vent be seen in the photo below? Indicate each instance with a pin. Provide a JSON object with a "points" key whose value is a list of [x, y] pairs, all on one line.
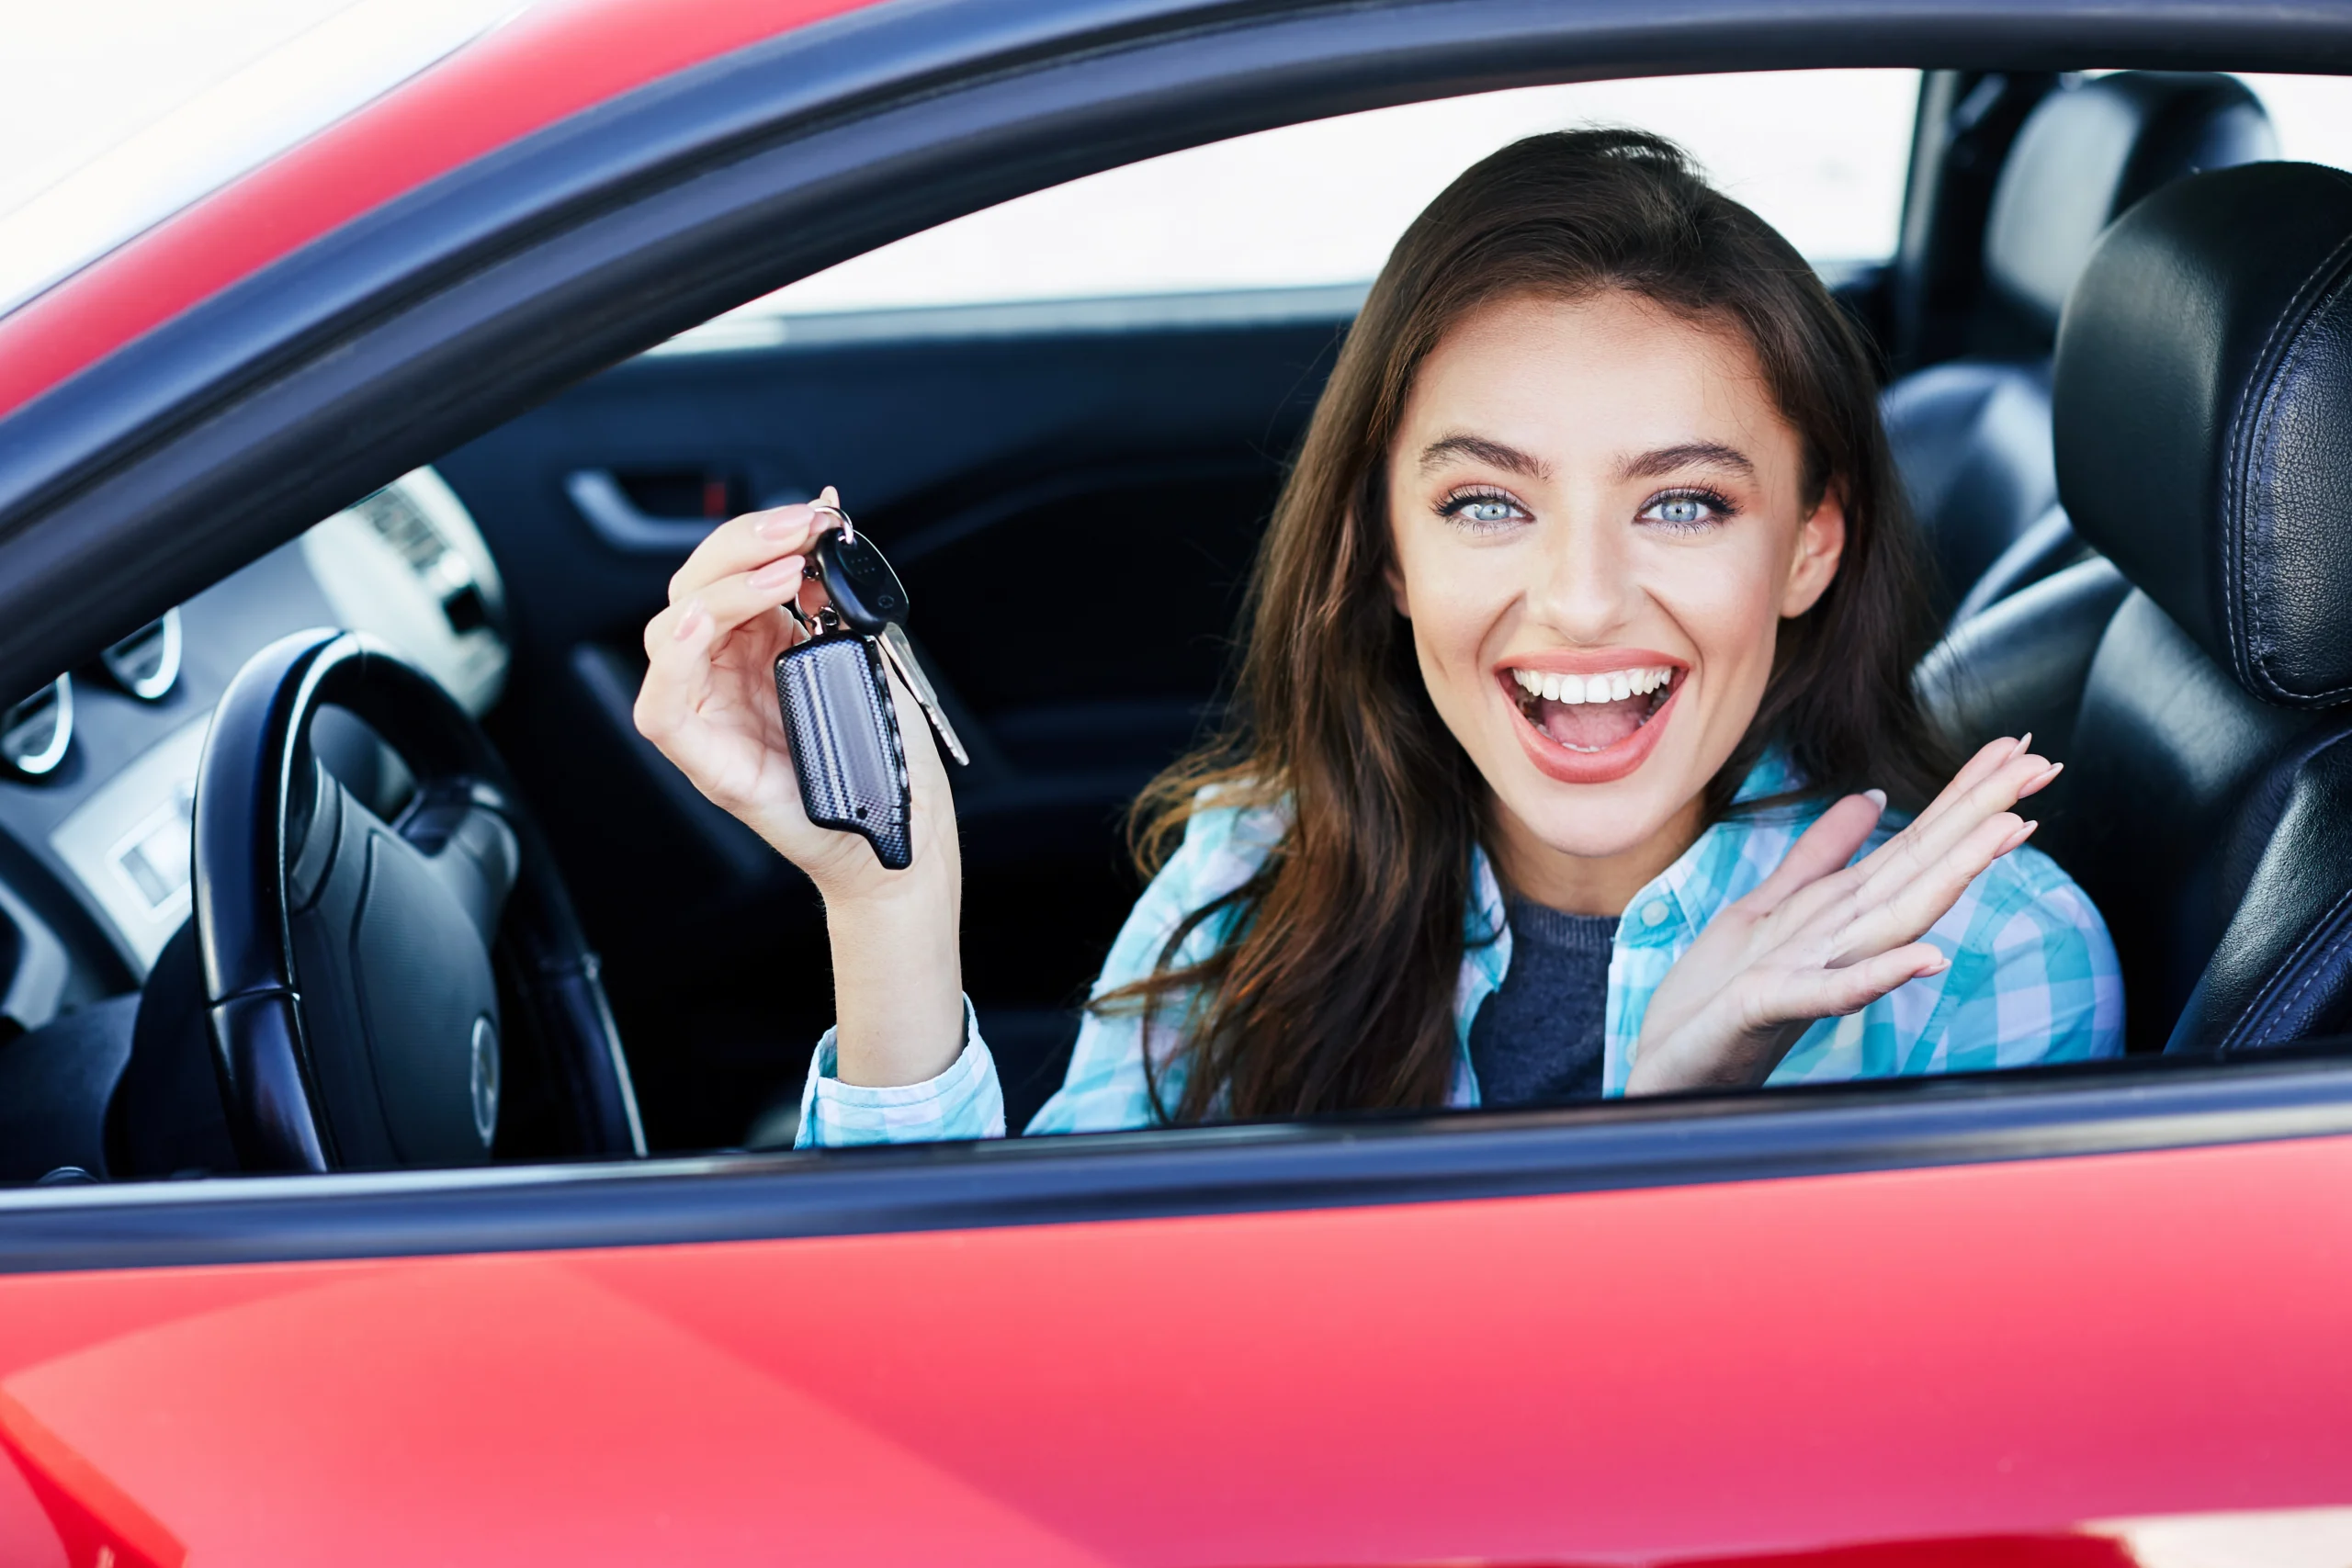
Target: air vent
{"points": [[35, 733], [147, 663], [444, 571]]}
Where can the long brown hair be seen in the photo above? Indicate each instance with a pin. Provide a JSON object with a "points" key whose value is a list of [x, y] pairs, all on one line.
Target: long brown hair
{"points": [[1333, 988]]}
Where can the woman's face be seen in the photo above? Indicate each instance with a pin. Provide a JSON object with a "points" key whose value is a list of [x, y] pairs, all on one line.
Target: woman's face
{"points": [[1598, 527]]}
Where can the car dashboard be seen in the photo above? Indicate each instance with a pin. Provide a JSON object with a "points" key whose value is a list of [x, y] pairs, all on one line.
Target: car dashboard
{"points": [[97, 771]]}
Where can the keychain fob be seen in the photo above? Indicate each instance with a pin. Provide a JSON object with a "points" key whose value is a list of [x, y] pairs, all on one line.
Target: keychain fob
{"points": [[835, 693], [845, 744]]}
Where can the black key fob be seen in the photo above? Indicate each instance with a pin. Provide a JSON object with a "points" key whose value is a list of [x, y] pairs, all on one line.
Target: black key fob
{"points": [[865, 592], [845, 744], [866, 596]]}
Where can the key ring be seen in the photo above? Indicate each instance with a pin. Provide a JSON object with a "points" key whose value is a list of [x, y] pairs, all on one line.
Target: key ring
{"points": [[849, 529]]}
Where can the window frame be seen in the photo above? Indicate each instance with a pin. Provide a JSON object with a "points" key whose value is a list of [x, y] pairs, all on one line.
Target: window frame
{"points": [[232, 428]]}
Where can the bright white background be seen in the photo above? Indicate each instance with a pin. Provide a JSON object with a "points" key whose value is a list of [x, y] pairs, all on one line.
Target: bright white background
{"points": [[115, 114], [113, 109], [1821, 154], [77, 76]]}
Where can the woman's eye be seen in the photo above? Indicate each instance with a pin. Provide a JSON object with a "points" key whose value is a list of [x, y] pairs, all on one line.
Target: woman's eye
{"points": [[1481, 512], [1685, 511]]}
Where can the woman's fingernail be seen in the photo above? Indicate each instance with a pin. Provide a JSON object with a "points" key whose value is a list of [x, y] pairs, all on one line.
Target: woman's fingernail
{"points": [[2024, 742], [2024, 831], [1876, 797], [1933, 969], [2040, 780], [783, 523], [690, 623], [779, 575]]}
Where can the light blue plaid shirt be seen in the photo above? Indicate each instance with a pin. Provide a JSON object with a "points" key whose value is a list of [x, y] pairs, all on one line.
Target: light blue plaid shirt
{"points": [[2033, 979]]}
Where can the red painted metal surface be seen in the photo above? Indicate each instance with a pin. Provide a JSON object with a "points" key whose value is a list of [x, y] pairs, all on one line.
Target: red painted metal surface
{"points": [[552, 63], [1906, 1369]]}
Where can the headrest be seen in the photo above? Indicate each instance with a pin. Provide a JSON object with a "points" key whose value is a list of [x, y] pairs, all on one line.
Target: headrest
{"points": [[2202, 409], [2088, 153]]}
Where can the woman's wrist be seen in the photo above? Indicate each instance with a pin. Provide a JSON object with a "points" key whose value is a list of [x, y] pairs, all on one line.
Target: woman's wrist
{"points": [[1732, 1059], [898, 979]]}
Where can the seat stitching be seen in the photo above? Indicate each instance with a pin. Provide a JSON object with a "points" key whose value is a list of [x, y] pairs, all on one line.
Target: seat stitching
{"points": [[2301, 760], [2254, 420], [2327, 932], [2242, 435]]}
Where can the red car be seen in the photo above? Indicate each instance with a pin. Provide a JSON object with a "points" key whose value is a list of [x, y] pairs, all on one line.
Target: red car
{"points": [[396, 1052]]}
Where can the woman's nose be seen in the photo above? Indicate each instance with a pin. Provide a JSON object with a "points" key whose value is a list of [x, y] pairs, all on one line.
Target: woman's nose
{"points": [[1584, 588]]}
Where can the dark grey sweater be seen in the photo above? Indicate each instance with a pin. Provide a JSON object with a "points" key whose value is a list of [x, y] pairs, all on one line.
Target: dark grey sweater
{"points": [[1537, 1039]]}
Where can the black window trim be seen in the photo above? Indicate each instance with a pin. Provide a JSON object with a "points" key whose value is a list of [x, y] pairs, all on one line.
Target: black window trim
{"points": [[2085, 1112]]}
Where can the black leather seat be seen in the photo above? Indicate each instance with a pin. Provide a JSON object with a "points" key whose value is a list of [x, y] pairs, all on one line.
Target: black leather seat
{"points": [[1971, 436], [2197, 680]]}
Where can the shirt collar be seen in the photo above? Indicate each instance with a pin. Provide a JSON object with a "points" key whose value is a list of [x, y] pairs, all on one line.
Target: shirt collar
{"points": [[1486, 927], [1676, 904], [1680, 901]]}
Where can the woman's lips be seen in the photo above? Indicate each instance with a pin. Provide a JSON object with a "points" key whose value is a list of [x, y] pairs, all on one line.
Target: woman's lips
{"points": [[1588, 743]]}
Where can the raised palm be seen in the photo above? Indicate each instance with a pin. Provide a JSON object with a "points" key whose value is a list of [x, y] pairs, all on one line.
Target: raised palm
{"points": [[1820, 938]]}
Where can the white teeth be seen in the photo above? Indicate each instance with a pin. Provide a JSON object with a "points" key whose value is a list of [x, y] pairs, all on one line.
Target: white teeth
{"points": [[1610, 686]]}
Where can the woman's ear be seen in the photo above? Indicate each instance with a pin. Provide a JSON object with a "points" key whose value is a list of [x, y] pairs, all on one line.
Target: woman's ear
{"points": [[1821, 543]]}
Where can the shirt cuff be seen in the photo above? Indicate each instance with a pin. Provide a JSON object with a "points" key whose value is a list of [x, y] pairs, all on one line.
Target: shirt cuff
{"points": [[964, 1101]]}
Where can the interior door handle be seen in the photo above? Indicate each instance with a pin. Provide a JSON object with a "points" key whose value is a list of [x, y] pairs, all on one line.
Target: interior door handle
{"points": [[623, 524]]}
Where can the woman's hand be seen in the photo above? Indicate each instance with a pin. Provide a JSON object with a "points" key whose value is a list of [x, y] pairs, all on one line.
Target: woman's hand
{"points": [[710, 703], [1820, 938]]}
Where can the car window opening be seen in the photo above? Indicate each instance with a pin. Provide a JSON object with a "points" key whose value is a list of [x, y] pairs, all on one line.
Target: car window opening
{"points": [[1429, 636]]}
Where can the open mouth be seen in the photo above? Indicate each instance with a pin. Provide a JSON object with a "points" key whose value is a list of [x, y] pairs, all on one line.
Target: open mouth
{"points": [[1593, 714]]}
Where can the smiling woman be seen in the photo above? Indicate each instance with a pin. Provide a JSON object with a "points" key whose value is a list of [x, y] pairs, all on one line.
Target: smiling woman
{"points": [[1590, 594]]}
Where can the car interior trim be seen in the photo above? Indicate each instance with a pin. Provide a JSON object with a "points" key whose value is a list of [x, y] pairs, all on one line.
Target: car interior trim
{"points": [[40, 967], [36, 733], [753, 328], [596, 494], [126, 843]]}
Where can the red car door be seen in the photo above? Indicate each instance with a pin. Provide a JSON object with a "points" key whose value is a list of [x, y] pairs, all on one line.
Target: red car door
{"points": [[2045, 1360]]}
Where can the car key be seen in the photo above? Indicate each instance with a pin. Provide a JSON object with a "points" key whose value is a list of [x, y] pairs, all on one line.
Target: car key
{"points": [[870, 600], [838, 715]]}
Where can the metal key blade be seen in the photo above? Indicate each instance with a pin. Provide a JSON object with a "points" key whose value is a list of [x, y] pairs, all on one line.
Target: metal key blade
{"points": [[901, 654]]}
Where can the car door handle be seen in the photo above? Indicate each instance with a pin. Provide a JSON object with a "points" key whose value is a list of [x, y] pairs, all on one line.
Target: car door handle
{"points": [[619, 521]]}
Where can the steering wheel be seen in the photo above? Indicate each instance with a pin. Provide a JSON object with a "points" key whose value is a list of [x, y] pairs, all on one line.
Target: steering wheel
{"points": [[349, 984]]}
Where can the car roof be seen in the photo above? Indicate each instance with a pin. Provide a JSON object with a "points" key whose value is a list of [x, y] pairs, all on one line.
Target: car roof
{"points": [[558, 60]]}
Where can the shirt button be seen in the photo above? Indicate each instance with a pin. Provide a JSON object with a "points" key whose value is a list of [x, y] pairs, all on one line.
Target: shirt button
{"points": [[1654, 913]]}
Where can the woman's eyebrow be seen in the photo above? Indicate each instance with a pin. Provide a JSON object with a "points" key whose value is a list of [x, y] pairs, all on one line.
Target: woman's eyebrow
{"points": [[1689, 455], [1478, 448]]}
